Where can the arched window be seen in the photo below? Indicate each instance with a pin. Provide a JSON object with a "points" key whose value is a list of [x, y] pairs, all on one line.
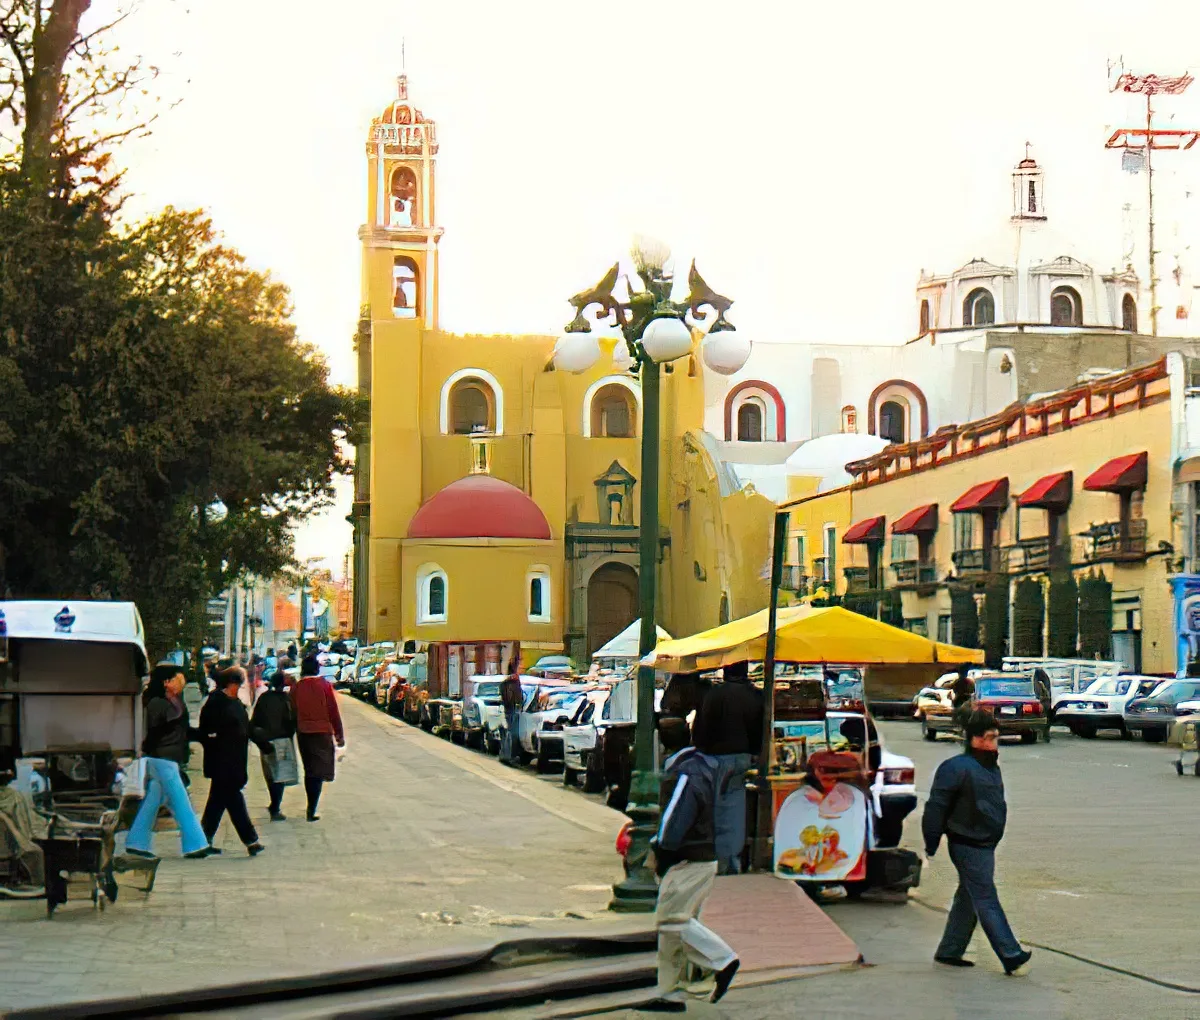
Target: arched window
{"points": [[403, 211], [923, 324], [979, 309], [539, 595], [432, 592], [464, 412], [892, 415], [614, 412], [1065, 307], [406, 294], [849, 418], [471, 409], [1129, 313], [750, 421]]}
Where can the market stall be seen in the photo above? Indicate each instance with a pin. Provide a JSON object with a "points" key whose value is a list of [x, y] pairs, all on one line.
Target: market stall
{"points": [[815, 818]]}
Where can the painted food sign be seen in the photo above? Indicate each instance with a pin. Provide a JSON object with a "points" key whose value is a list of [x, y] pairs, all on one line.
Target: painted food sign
{"points": [[821, 834]]}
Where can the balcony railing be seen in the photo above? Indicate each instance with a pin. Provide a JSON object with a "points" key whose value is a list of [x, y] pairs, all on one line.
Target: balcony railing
{"points": [[1105, 541], [971, 561], [914, 572], [794, 579], [1033, 554], [857, 578]]}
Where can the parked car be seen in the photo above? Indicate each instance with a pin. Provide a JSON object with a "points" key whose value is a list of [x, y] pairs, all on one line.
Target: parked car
{"points": [[552, 666], [483, 712], [539, 725], [1102, 706], [390, 680], [1021, 705], [1151, 717], [614, 739], [935, 698], [579, 743]]}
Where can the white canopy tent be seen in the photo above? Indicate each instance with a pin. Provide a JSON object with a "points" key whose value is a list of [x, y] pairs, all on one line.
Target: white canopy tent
{"points": [[625, 644]]}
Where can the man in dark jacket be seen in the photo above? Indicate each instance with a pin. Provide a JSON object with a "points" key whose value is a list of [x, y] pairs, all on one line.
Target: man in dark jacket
{"points": [[511, 697], [685, 859], [225, 731], [728, 727], [966, 804]]}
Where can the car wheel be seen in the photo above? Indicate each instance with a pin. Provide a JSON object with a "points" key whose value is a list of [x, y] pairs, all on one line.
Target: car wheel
{"points": [[1085, 730], [570, 776], [458, 737], [888, 833], [544, 765], [523, 756], [1029, 737], [927, 733], [475, 739], [1154, 736]]}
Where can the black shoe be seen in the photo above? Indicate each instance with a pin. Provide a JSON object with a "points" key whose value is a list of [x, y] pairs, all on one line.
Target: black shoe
{"points": [[663, 1006], [146, 855], [254, 849], [278, 816], [212, 851], [1015, 966], [953, 961], [312, 817], [199, 855], [724, 978]]}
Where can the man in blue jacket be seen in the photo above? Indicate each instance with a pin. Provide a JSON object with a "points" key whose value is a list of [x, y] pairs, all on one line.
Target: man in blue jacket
{"points": [[966, 804], [685, 856]]}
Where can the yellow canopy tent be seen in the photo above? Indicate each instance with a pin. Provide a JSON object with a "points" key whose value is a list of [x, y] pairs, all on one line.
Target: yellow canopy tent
{"points": [[807, 634]]}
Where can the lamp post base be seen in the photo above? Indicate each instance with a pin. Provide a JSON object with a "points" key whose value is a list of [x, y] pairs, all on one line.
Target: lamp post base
{"points": [[637, 893]]}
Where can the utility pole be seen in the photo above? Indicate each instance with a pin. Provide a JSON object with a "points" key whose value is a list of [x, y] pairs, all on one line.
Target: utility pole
{"points": [[1146, 140]]}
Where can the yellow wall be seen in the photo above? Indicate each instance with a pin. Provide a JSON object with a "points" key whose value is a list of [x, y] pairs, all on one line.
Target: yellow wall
{"points": [[487, 595], [1081, 449]]}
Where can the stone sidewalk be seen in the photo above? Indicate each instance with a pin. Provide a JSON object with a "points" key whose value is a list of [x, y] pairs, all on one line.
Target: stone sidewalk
{"points": [[421, 844]]}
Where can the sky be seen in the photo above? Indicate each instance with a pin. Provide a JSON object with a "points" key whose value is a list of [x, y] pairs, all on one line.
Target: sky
{"points": [[812, 158]]}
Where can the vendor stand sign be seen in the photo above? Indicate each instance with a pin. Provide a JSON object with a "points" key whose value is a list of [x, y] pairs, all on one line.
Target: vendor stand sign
{"points": [[821, 830]]}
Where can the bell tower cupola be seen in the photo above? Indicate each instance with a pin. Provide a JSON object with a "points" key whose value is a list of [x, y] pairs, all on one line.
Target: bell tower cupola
{"points": [[1029, 182], [400, 236]]}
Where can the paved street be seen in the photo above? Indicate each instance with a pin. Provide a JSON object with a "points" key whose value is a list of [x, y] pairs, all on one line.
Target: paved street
{"points": [[414, 834], [424, 844]]}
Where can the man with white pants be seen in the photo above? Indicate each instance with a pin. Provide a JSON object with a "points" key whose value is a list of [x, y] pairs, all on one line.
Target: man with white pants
{"points": [[686, 863]]}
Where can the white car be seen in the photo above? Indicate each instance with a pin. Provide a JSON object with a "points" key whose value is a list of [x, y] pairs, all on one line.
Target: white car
{"points": [[931, 697], [541, 720], [483, 712], [579, 742], [1102, 705]]}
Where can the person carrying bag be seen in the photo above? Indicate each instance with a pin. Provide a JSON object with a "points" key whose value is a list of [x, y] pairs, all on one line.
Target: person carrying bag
{"points": [[274, 723]]}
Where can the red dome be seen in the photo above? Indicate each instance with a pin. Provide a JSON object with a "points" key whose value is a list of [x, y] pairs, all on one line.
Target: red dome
{"points": [[479, 506]]}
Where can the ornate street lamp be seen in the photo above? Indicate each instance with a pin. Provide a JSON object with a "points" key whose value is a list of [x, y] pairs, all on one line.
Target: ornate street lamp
{"points": [[657, 330]]}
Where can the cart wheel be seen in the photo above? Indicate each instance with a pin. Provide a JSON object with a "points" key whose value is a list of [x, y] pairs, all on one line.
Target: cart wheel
{"points": [[1179, 767]]}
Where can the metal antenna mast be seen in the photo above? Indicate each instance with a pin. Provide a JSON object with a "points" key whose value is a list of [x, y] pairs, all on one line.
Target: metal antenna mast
{"points": [[1147, 139]]}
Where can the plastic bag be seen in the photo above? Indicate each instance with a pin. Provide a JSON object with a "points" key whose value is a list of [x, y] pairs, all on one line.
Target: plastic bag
{"points": [[133, 782], [340, 753], [284, 768]]}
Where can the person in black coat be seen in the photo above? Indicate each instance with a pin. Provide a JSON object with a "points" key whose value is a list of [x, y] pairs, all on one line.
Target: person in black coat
{"points": [[274, 719], [225, 732]]}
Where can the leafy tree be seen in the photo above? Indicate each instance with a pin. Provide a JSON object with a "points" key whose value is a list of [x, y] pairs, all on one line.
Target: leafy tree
{"points": [[1062, 615], [1029, 613], [163, 429]]}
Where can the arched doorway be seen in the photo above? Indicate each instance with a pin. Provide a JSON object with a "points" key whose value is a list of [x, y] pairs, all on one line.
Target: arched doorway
{"points": [[612, 603]]}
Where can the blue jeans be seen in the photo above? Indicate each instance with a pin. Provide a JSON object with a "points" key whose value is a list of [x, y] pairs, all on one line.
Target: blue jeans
{"points": [[729, 813], [976, 897], [163, 782], [512, 739]]}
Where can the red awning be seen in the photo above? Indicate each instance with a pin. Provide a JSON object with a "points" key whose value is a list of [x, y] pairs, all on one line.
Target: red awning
{"points": [[869, 530], [922, 519], [1053, 491], [1119, 475], [991, 495]]}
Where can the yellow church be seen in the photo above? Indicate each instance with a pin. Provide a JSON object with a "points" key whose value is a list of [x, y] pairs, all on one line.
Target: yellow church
{"points": [[496, 499]]}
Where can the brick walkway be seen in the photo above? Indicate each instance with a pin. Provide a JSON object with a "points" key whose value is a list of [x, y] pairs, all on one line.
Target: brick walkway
{"points": [[421, 844]]}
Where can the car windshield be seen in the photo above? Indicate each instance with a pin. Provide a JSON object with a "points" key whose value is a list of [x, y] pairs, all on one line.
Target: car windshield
{"points": [[988, 688], [1177, 691], [560, 699], [488, 690], [1112, 685]]}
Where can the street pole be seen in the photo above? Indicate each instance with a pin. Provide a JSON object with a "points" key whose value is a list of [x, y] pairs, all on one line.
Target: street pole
{"points": [[639, 889], [303, 614], [762, 845]]}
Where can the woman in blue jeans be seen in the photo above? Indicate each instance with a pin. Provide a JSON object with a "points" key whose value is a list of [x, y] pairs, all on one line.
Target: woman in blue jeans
{"points": [[165, 752]]}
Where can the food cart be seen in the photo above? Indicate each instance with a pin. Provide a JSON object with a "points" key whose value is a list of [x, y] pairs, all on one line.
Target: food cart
{"points": [[815, 821], [70, 720]]}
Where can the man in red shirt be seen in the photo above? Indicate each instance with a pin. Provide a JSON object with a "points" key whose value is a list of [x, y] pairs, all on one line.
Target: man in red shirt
{"points": [[318, 726]]}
